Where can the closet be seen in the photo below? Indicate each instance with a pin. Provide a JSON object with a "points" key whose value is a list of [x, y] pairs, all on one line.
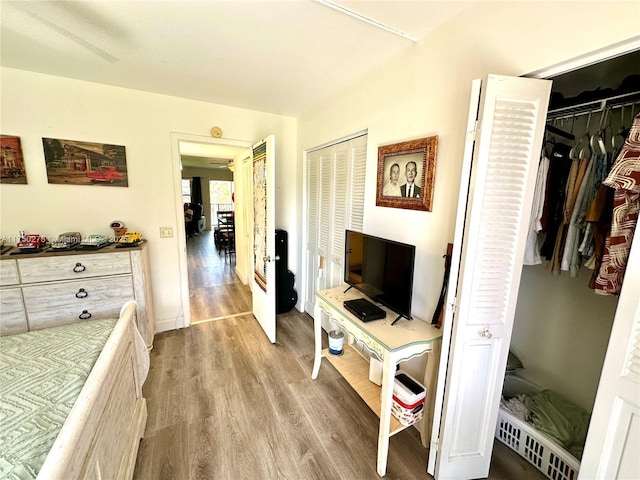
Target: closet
{"points": [[334, 201], [491, 296], [562, 327]]}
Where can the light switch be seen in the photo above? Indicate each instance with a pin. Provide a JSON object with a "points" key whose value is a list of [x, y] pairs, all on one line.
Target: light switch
{"points": [[166, 232]]}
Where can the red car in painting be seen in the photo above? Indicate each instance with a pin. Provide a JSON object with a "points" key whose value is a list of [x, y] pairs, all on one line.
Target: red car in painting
{"points": [[107, 174]]}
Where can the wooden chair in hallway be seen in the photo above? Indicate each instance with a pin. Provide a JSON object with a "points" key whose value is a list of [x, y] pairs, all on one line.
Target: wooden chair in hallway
{"points": [[227, 234], [225, 218]]}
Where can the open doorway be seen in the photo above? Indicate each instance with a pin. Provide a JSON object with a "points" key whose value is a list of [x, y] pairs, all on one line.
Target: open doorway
{"points": [[211, 288]]}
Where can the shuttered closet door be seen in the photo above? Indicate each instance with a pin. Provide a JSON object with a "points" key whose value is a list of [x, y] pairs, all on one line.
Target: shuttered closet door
{"points": [[334, 203], [312, 219], [498, 204], [335, 272], [324, 203], [613, 441], [358, 167]]}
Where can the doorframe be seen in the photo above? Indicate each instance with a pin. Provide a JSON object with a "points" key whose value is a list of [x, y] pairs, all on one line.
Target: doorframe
{"points": [[588, 59], [176, 138]]}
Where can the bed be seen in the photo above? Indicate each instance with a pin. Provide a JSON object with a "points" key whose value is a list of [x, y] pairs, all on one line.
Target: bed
{"points": [[71, 400]]}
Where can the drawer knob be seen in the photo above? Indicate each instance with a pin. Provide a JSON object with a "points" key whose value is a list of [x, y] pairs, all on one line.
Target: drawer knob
{"points": [[85, 315], [79, 268], [82, 293]]}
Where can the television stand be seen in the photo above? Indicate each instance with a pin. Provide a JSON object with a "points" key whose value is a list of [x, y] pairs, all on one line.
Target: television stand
{"points": [[398, 318], [392, 344]]}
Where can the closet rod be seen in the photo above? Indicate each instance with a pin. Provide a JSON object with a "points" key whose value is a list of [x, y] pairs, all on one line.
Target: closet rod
{"points": [[617, 101]]}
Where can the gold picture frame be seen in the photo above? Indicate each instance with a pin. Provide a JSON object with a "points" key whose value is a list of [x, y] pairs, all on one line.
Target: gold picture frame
{"points": [[402, 162]]}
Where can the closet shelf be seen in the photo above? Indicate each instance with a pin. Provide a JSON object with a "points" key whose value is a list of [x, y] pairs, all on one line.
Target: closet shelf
{"points": [[616, 101]]}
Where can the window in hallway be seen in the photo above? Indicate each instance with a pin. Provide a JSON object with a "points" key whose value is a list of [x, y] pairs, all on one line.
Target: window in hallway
{"points": [[220, 194], [186, 190]]}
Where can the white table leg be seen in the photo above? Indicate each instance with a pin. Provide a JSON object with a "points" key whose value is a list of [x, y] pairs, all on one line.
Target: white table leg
{"points": [[430, 382], [388, 377], [317, 330]]}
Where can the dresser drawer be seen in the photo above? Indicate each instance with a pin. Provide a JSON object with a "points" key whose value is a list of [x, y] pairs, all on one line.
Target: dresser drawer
{"points": [[69, 267], [8, 272], [61, 303], [12, 316]]}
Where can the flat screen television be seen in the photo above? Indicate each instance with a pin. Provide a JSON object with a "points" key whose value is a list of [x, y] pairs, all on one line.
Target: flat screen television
{"points": [[381, 269]]}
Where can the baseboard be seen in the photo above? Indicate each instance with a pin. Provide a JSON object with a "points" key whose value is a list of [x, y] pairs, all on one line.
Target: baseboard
{"points": [[167, 324], [240, 275]]}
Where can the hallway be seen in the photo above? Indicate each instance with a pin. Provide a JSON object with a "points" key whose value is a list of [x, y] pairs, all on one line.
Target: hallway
{"points": [[215, 292]]}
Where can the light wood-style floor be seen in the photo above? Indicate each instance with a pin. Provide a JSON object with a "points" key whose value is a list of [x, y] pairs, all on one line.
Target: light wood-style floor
{"points": [[224, 403], [214, 289]]}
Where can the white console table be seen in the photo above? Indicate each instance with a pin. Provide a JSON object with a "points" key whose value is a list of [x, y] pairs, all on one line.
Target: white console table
{"points": [[392, 344]]}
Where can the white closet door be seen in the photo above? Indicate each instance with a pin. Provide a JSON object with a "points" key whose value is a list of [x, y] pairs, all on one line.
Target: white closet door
{"points": [[324, 203], [334, 201], [313, 222], [358, 149], [335, 272], [613, 440], [508, 139]]}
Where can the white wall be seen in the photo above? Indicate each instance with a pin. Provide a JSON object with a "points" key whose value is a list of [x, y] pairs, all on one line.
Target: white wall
{"points": [[35, 106], [426, 90], [561, 332]]}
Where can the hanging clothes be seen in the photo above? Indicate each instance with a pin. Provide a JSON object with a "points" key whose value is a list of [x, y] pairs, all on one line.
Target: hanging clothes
{"points": [[599, 172], [531, 253], [553, 212], [571, 258], [574, 182], [624, 179], [599, 215]]}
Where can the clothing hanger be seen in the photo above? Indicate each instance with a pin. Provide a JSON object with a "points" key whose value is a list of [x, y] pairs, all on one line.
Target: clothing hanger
{"points": [[617, 140], [581, 149], [573, 152], [597, 139]]}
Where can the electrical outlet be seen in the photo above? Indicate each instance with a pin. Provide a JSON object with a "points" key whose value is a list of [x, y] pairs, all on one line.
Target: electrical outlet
{"points": [[166, 232]]}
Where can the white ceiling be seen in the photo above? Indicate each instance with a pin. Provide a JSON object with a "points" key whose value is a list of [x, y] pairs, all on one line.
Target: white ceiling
{"points": [[282, 57]]}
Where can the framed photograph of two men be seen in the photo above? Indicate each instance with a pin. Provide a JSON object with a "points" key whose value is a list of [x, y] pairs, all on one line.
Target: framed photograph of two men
{"points": [[406, 173]]}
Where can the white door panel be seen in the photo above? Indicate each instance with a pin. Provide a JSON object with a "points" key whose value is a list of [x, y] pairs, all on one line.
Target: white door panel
{"points": [[498, 203], [264, 249], [613, 440]]}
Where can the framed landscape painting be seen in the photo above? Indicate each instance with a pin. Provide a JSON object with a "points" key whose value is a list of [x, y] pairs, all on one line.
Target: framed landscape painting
{"points": [[72, 162], [11, 160]]}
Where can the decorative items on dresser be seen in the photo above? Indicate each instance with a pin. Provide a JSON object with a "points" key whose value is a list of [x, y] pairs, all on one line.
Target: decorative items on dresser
{"points": [[48, 289]]}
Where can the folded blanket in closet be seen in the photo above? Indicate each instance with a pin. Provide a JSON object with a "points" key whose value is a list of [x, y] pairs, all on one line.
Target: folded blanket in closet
{"points": [[554, 415]]}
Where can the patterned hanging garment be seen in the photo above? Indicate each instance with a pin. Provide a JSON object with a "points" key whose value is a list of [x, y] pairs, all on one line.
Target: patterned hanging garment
{"points": [[624, 179]]}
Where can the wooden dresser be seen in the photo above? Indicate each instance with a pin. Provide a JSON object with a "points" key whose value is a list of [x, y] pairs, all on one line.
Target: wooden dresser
{"points": [[49, 288]]}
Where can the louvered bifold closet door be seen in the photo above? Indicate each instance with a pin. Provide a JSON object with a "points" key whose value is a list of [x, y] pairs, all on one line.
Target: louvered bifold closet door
{"points": [[324, 207], [612, 446], [358, 150], [335, 271], [312, 219], [334, 202], [506, 150]]}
